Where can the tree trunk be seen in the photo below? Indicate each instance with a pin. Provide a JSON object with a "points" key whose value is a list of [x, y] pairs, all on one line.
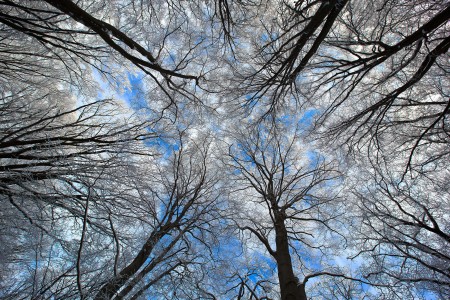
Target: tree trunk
{"points": [[289, 285]]}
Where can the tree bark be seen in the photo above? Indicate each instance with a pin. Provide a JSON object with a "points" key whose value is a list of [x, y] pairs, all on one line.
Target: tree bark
{"points": [[110, 288], [289, 285]]}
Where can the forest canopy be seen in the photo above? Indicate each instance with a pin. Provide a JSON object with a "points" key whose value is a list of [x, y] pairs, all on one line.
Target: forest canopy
{"points": [[224, 149]]}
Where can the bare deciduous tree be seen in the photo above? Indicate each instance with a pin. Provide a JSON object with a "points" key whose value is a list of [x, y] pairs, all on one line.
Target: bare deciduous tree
{"points": [[404, 229], [285, 202], [96, 203], [183, 196]]}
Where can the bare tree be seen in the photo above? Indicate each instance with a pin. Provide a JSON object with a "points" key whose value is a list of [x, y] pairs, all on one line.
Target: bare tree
{"points": [[86, 36], [375, 70], [184, 197], [393, 73], [404, 230], [64, 198], [119, 225], [285, 203], [96, 204], [289, 36], [54, 157]]}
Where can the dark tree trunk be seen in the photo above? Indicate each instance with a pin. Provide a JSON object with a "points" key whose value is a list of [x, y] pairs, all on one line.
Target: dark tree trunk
{"points": [[289, 285]]}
